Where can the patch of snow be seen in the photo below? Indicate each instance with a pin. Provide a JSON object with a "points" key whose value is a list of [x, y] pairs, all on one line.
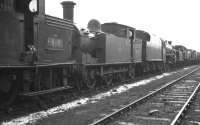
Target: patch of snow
{"points": [[126, 123]]}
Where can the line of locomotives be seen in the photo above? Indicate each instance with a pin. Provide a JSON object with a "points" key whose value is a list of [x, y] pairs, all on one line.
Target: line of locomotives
{"points": [[40, 54]]}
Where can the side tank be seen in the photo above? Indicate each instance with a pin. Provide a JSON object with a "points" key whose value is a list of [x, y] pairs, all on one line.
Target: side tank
{"points": [[154, 49], [105, 48], [54, 39], [117, 49], [54, 36], [118, 42]]}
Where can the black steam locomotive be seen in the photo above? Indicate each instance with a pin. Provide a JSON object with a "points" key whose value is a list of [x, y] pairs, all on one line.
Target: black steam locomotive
{"points": [[41, 54]]}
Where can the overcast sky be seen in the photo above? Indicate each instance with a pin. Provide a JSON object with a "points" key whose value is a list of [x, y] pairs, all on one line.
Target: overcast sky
{"points": [[175, 20]]}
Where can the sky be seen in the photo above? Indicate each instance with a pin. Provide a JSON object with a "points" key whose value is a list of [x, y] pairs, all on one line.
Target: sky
{"points": [[174, 20]]}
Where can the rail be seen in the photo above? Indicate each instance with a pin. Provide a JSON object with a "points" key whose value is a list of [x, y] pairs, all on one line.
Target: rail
{"points": [[111, 116], [178, 117]]}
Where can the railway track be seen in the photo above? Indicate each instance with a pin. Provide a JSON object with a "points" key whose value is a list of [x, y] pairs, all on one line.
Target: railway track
{"points": [[166, 105], [192, 115]]}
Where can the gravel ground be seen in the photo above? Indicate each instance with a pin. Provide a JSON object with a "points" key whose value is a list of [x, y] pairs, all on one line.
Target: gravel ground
{"points": [[193, 113], [86, 110]]}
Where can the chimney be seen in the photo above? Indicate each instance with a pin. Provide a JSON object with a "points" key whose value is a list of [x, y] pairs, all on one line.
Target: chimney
{"points": [[68, 10]]}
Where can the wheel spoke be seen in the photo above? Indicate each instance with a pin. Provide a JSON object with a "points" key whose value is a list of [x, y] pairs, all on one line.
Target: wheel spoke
{"points": [[91, 83], [108, 79]]}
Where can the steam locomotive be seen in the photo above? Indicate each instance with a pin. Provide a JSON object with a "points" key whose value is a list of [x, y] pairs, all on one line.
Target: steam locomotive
{"points": [[42, 54]]}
